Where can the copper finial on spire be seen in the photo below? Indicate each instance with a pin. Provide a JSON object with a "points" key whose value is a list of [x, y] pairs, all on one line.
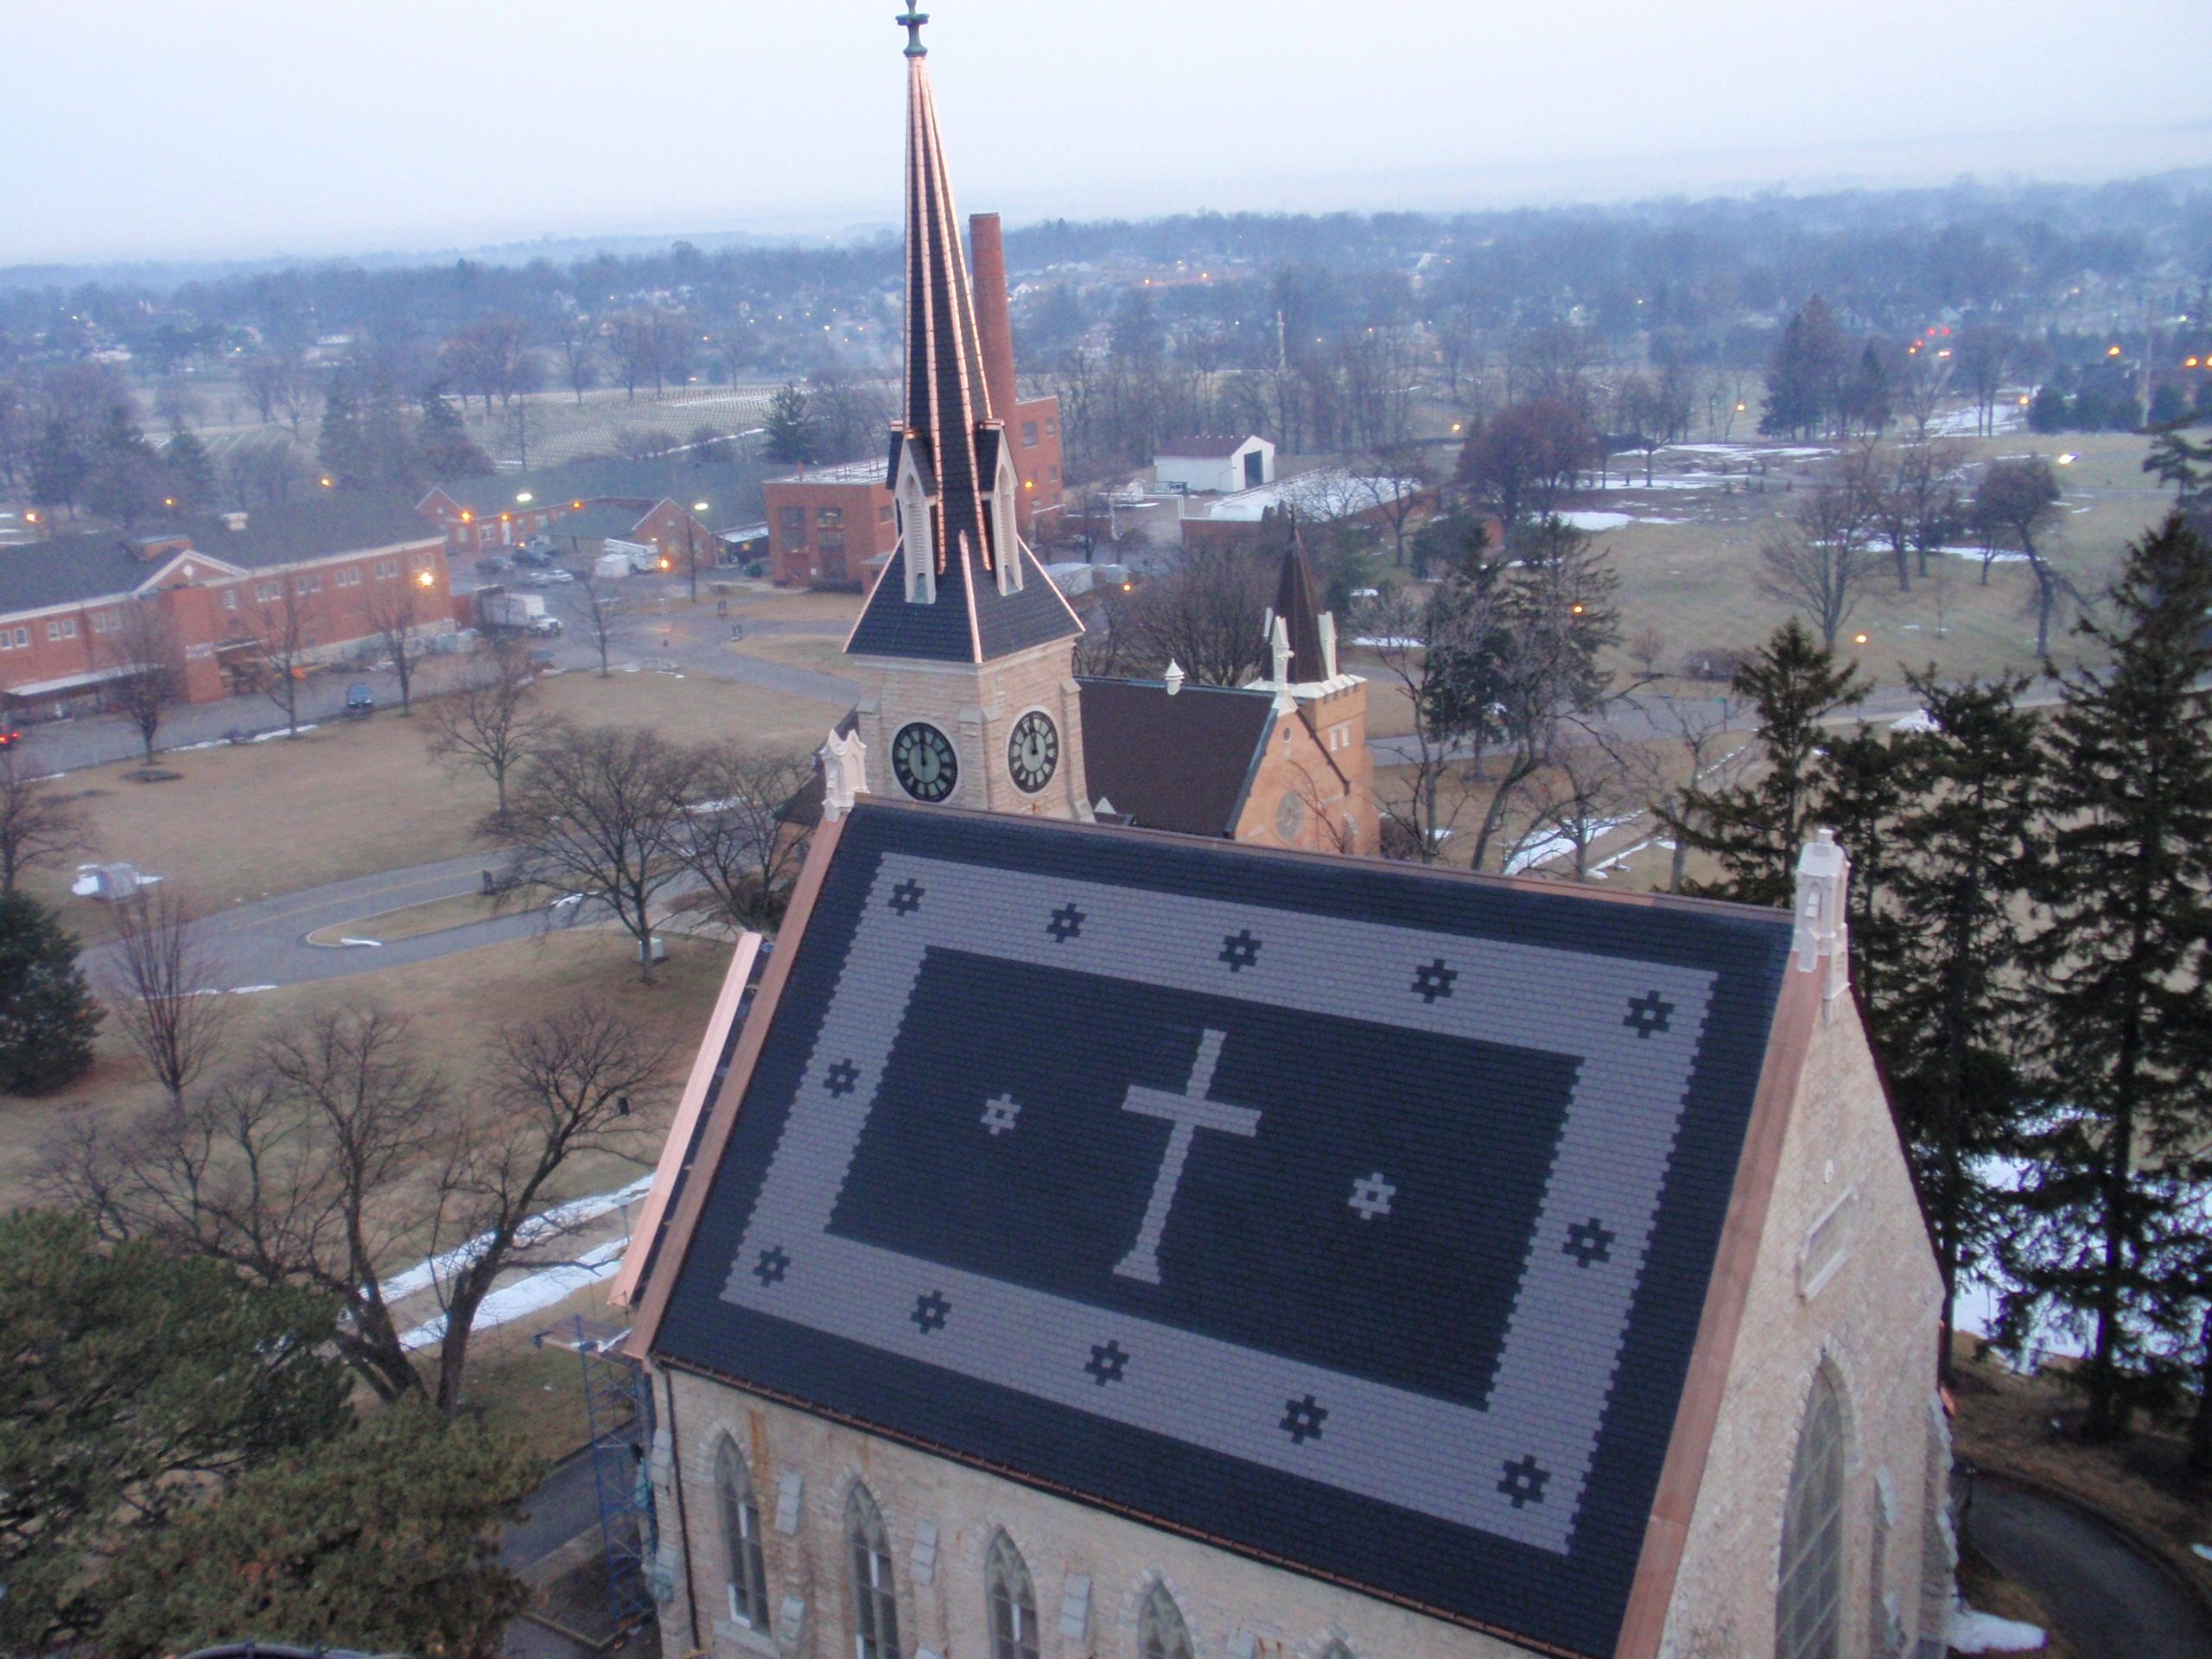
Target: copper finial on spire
{"points": [[911, 21]]}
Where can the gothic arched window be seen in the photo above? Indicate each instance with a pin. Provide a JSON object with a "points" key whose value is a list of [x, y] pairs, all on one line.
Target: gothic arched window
{"points": [[749, 1576], [1808, 1607], [1013, 1601], [875, 1601], [1161, 1633]]}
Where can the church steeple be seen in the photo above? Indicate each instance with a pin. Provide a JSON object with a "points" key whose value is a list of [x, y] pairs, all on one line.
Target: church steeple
{"points": [[958, 587], [946, 397]]}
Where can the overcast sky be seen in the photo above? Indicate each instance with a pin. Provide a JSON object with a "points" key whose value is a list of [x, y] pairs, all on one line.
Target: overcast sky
{"points": [[246, 128]]}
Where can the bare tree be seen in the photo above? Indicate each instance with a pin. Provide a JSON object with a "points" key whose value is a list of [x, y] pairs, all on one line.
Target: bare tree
{"points": [[569, 1083], [1924, 381], [275, 624], [2018, 501], [38, 828], [1982, 357], [391, 610], [146, 665], [1206, 615], [630, 345], [602, 608], [576, 340], [1416, 639], [1699, 751], [1395, 479], [600, 813], [1586, 790], [161, 983], [1821, 562], [490, 723], [292, 1172], [736, 842]]}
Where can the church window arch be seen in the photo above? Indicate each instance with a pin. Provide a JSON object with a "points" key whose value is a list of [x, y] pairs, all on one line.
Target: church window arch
{"points": [[1809, 1603], [1013, 1601], [740, 1514], [875, 1598], [1161, 1633]]}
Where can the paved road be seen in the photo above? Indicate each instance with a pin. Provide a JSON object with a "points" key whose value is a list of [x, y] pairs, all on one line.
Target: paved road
{"points": [[2104, 1599], [265, 943]]}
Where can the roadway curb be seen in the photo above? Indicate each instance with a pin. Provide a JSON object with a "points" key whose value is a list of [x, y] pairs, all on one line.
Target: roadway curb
{"points": [[2151, 1549]]}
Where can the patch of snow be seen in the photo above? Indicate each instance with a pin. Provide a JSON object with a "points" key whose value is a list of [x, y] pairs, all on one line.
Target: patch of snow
{"points": [[1561, 845], [1595, 521], [248, 991], [377, 945], [1389, 642], [264, 737], [1974, 553], [559, 1220], [528, 1294], [1974, 1632], [1918, 720]]}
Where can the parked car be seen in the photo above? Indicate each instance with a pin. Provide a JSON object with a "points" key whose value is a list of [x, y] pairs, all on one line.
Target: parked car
{"points": [[360, 701], [534, 558], [494, 566]]}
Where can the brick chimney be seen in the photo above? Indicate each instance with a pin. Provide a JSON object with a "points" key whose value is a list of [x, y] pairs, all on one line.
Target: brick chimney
{"points": [[987, 255]]}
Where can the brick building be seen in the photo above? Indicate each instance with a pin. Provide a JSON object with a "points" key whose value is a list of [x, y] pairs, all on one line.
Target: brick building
{"points": [[827, 527], [323, 573]]}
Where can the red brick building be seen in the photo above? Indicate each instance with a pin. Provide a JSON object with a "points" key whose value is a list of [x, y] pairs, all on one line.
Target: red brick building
{"points": [[483, 516], [316, 580], [826, 526]]}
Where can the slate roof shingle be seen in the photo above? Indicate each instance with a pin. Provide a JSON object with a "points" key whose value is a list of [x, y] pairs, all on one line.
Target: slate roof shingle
{"points": [[1183, 762], [945, 630], [1414, 1307]]}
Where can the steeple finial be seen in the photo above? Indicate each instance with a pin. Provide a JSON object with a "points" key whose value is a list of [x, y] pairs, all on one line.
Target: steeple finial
{"points": [[911, 21]]}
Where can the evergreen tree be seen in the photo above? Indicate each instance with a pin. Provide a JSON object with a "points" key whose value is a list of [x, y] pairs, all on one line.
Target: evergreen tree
{"points": [[2049, 412], [47, 1012], [58, 467], [442, 445], [1940, 967], [1756, 830], [339, 444], [791, 432], [191, 471], [1804, 378], [2120, 965], [383, 1540], [135, 1382], [124, 478]]}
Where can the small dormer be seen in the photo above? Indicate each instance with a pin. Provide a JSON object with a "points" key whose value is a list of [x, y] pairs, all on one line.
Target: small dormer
{"points": [[1001, 501], [913, 487]]}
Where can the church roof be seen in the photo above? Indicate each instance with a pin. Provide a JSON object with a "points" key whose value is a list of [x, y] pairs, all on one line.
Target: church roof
{"points": [[970, 621], [1354, 1217], [1183, 762]]}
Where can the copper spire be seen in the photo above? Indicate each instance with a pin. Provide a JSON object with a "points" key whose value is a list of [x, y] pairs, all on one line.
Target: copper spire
{"points": [[946, 398]]}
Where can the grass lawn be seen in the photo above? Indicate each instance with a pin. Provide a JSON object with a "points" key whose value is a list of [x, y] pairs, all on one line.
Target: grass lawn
{"points": [[350, 799], [457, 1004], [821, 652]]}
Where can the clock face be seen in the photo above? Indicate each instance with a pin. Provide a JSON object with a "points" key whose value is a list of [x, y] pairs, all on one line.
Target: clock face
{"points": [[1032, 753], [923, 762]]}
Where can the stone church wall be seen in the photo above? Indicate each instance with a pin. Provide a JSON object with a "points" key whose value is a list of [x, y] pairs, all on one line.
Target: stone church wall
{"points": [[1091, 1570], [1869, 1314], [976, 706]]}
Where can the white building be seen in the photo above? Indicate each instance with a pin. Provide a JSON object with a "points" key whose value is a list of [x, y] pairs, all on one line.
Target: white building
{"points": [[1215, 464]]}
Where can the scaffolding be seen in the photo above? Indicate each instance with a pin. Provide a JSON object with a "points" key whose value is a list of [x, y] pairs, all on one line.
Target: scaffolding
{"points": [[619, 1410]]}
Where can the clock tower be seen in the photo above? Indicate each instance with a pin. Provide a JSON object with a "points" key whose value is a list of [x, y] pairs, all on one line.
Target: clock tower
{"points": [[969, 647]]}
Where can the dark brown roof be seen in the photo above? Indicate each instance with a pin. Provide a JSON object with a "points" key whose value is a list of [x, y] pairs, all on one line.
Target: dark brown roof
{"points": [[1182, 763], [1205, 446], [1298, 603]]}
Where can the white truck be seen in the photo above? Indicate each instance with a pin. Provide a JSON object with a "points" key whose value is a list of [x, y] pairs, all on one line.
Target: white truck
{"points": [[499, 610]]}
